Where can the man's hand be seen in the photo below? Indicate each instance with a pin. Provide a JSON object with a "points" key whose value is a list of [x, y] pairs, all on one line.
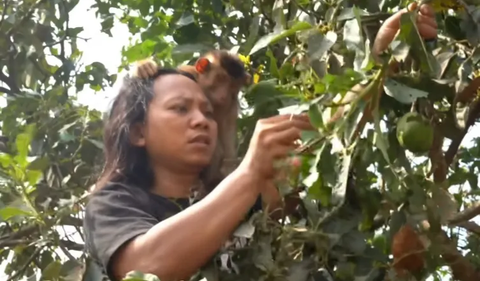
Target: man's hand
{"points": [[427, 26]]}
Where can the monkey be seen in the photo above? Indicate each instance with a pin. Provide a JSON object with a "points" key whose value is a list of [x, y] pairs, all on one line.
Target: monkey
{"points": [[221, 75]]}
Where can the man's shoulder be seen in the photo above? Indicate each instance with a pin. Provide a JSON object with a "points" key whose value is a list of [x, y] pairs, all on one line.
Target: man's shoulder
{"points": [[120, 192]]}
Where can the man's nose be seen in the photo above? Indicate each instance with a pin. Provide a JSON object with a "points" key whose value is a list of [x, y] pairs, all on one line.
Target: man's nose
{"points": [[199, 119]]}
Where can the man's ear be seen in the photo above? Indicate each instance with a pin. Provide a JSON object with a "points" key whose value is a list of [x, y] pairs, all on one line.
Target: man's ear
{"points": [[137, 135]]}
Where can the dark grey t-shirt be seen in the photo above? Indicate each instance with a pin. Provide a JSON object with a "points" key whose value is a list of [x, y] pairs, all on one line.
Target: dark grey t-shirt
{"points": [[119, 212]]}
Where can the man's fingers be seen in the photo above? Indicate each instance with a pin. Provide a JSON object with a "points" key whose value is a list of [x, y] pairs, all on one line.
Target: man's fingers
{"points": [[286, 137], [427, 10], [283, 117], [427, 20], [281, 150], [287, 124], [384, 37], [412, 6], [393, 22], [427, 31], [387, 32]]}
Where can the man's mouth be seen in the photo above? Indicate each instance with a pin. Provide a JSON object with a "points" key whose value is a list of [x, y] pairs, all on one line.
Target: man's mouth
{"points": [[203, 139]]}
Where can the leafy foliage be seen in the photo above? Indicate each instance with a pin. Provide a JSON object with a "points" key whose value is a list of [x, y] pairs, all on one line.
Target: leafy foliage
{"points": [[306, 55]]}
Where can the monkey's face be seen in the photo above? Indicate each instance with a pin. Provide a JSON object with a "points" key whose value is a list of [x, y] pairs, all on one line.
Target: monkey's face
{"points": [[221, 75], [179, 130], [218, 86], [221, 88]]}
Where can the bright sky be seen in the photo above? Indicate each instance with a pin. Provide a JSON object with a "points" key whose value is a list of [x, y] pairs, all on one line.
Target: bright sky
{"points": [[101, 48], [106, 50]]}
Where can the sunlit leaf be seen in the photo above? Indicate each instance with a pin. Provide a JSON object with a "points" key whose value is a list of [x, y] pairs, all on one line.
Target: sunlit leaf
{"points": [[9, 212]]}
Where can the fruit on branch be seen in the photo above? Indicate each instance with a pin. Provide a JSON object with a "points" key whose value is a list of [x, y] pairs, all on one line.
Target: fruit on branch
{"points": [[407, 251], [415, 133]]}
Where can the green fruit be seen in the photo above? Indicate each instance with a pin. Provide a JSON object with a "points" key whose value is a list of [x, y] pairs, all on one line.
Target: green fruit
{"points": [[415, 133]]}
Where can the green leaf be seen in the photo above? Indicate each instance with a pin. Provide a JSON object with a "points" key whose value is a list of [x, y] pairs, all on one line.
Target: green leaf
{"points": [[470, 24], [33, 176], [381, 141], [52, 271], [107, 25], [70, 269], [278, 35], [96, 143], [315, 116], [319, 44], [252, 34], [300, 271], [186, 19], [138, 276], [402, 92], [274, 71], [353, 35], [9, 212], [22, 143], [340, 189], [40, 164], [66, 136], [140, 51], [410, 34], [6, 160]]}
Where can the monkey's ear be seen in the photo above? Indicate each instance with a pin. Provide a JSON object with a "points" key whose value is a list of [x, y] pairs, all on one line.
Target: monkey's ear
{"points": [[202, 65]]}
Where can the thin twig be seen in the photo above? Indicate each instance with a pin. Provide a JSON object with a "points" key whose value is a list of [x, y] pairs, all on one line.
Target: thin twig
{"points": [[24, 267]]}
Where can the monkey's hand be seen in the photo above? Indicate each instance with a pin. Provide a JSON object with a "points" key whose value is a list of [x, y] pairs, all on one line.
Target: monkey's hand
{"points": [[144, 69]]}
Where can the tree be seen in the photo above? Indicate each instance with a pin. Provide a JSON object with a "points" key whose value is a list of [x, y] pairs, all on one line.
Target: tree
{"points": [[49, 143], [305, 55]]}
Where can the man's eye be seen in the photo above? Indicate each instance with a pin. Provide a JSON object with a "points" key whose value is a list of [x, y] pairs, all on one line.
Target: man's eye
{"points": [[180, 108], [209, 113]]}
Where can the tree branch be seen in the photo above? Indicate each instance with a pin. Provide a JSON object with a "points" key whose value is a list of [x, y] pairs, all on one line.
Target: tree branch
{"points": [[466, 96], [11, 243], [467, 214], [470, 226], [461, 267], [70, 245], [22, 236], [22, 233]]}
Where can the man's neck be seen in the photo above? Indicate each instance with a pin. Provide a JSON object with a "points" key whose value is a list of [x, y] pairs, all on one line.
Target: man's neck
{"points": [[174, 184]]}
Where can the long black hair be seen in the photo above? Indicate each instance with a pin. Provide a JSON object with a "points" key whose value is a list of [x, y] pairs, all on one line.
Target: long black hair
{"points": [[125, 162]]}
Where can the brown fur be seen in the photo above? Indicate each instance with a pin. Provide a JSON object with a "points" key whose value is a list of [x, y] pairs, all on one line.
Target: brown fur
{"points": [[221, 81]]}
